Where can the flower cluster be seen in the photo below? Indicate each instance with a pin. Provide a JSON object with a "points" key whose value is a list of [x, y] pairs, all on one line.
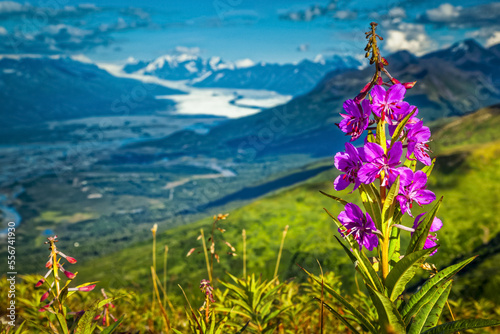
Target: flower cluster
{"points": [[382, 159], [54, 266]]}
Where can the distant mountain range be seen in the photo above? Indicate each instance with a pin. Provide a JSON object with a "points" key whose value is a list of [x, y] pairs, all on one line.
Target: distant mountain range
{"points": [[40, 89], [450, 82], [287, 79]]}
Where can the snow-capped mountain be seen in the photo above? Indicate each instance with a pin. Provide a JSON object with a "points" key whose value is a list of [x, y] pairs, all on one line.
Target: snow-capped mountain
{"points": [[288, 79]]}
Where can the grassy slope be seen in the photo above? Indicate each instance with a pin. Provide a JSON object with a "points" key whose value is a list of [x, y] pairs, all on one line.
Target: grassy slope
{"points": [[467, 176]]}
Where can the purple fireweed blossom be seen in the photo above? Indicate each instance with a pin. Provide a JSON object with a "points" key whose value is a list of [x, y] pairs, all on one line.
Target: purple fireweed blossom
{"points": [[357, 118], [379, 162], [431, 238], [348, 162], [413, 189], [359, 225], [417, 137], [389, 104]]}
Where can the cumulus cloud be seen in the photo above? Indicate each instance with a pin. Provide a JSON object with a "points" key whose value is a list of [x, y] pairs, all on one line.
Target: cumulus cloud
{"points": [[345, 15], [458, 16], [54, 30], [310, 13], [410, 37]]}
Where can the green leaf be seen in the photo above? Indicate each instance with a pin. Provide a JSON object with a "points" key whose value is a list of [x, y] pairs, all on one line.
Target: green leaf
{"points": [[388, 316], [113, 327], [339, 316], [404, 271], [363, 266], [455, 326], [20, 328], [389, 204], [417, 241], [401, 126], [428, 169], [371, 201], [440, 296], [394, 246], [357, 315], [435, 314], [176, 331], [411, 163], [243, 328], [338, 199], [85, 323], [62, 322], [426, 292]]}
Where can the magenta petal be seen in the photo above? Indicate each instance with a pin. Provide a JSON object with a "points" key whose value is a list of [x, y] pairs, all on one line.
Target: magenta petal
{"points": [[395, 154], [419, 180], [366, 108], [425, 197], [429, 243], [405, 176], [353, 211], [341, 183], [341, 160], [436, 225], [378, 94], [368, 173], [370, 241], [352, 108], [373, 152], [396, 93]]}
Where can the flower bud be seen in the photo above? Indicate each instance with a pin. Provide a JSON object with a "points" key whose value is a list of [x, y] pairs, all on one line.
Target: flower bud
{"points": [[409, 85], [87, 288], [384, 61], [395, 81], [39, 283], [44, 296]]}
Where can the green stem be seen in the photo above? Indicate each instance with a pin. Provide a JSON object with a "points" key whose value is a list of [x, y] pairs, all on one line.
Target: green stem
{"points": [[281, 250], [206, 255]]}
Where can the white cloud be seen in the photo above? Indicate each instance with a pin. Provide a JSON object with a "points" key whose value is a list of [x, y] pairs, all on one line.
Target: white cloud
{"points": [[345, 15], [494, 39], [397, 12], [444, 13], [3, 31], [410, 37], [11, 7], [187, 50]]}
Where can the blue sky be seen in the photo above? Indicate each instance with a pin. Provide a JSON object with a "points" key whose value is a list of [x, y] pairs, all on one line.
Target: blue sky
{"points": [[262, 30]]}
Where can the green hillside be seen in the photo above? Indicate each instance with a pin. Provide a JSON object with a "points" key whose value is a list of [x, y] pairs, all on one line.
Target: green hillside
{"points": [[466, 174]]}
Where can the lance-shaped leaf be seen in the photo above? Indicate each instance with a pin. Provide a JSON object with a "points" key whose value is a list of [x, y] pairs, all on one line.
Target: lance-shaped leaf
{"points": [[388, 316], [360, 318], [113, 327], [422, 316], [401, 126], [426, 292], [363, 266], [428, 169], [455, 326], [338, 199], [404, 271], [371, 201], [437, 309], [417, 241], [339, 316]]}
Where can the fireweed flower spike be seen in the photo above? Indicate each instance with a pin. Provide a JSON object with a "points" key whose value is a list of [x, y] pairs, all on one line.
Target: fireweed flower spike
{"points": [[359, 225], [413, 189], [418, 137], [379, 162], [357, 118], [431, 238], [348, 162]]}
